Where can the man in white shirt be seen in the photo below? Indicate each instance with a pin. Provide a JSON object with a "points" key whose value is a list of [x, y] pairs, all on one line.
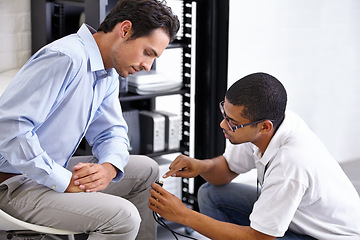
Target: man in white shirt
{"points": [[304, 192]]}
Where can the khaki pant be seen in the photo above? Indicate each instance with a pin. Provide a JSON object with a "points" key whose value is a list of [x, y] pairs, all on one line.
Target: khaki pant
{"points": [[110, 214]]}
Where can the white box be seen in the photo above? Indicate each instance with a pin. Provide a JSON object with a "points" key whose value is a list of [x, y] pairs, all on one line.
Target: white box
{"points": [[171, 184], [172, 130]]}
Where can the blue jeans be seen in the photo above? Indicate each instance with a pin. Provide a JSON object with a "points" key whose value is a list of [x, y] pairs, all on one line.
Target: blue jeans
{"points": [[233, 203]]}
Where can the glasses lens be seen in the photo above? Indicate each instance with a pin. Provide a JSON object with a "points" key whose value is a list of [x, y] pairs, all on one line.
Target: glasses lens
{"points": [[221, 105]]}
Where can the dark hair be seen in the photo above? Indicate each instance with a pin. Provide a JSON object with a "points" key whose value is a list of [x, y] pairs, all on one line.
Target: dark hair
{"points": [[145, 16], [262, 95]]}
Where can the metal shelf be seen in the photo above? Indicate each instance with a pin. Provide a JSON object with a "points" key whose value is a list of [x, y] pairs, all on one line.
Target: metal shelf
{"points": [[125, 97]]}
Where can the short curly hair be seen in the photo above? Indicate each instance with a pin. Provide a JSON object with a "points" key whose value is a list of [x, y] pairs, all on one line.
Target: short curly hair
{"points": [[261, 95]]}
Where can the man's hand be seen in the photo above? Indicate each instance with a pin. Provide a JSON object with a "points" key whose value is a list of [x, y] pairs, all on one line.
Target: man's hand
{"points": [[184, 166], [91, 177], [171, 208], [166, 204], [72, 188]]}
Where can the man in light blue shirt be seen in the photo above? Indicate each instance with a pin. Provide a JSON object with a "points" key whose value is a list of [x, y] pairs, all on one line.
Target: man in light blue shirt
{"points": [[69, 90]]}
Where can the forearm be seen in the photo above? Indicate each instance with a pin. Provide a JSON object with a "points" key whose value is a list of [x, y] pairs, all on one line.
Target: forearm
{"points": [[114, 152], [215, 229], [216, 171], [25, 155], [171, 208]]}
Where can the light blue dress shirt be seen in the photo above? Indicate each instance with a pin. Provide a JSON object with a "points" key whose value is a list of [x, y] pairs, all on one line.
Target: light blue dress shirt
{"points": [[62, 94]]}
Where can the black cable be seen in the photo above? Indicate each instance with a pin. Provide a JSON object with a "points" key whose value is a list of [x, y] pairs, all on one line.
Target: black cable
{"points": [[164, 225]]}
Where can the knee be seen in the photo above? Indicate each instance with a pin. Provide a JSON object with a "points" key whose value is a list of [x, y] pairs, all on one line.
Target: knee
{"points": [[153, 167], [146, 167], [134, 220], [203, 194], [127, 220]]}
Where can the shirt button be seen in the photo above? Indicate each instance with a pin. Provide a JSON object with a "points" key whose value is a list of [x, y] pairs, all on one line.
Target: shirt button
{"points": [[53, 187]]}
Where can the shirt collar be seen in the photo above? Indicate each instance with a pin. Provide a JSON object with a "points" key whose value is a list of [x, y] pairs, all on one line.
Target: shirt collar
{"points": [[95, 60]]}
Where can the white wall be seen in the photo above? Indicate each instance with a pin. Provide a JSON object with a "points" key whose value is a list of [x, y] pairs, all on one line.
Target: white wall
{"points": [[313, 48], [15, 33]]}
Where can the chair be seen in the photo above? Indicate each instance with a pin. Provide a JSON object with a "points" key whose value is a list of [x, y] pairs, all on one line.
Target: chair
{"points": [[28, 231]]}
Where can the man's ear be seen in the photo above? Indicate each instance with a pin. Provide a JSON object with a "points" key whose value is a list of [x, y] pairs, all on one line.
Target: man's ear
{"points": [[266, 126], [125, 29]]}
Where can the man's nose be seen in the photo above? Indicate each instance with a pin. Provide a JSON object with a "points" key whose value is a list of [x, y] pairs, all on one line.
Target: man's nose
{"points": [[147, 64]]}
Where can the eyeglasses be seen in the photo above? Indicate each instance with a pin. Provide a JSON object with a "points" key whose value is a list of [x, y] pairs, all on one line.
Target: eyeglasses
{"points": [[233, 128]]}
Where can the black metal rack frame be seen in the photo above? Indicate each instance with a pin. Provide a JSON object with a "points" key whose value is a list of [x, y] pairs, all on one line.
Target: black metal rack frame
{"points": [[212, 30]]}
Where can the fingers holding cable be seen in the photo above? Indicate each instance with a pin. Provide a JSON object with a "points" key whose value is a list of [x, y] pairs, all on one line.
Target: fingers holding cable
{"points": [[156, 193], [165, 204]]}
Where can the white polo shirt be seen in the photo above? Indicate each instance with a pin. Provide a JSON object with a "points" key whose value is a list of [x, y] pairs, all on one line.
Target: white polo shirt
{"points": [[303, 188]]}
